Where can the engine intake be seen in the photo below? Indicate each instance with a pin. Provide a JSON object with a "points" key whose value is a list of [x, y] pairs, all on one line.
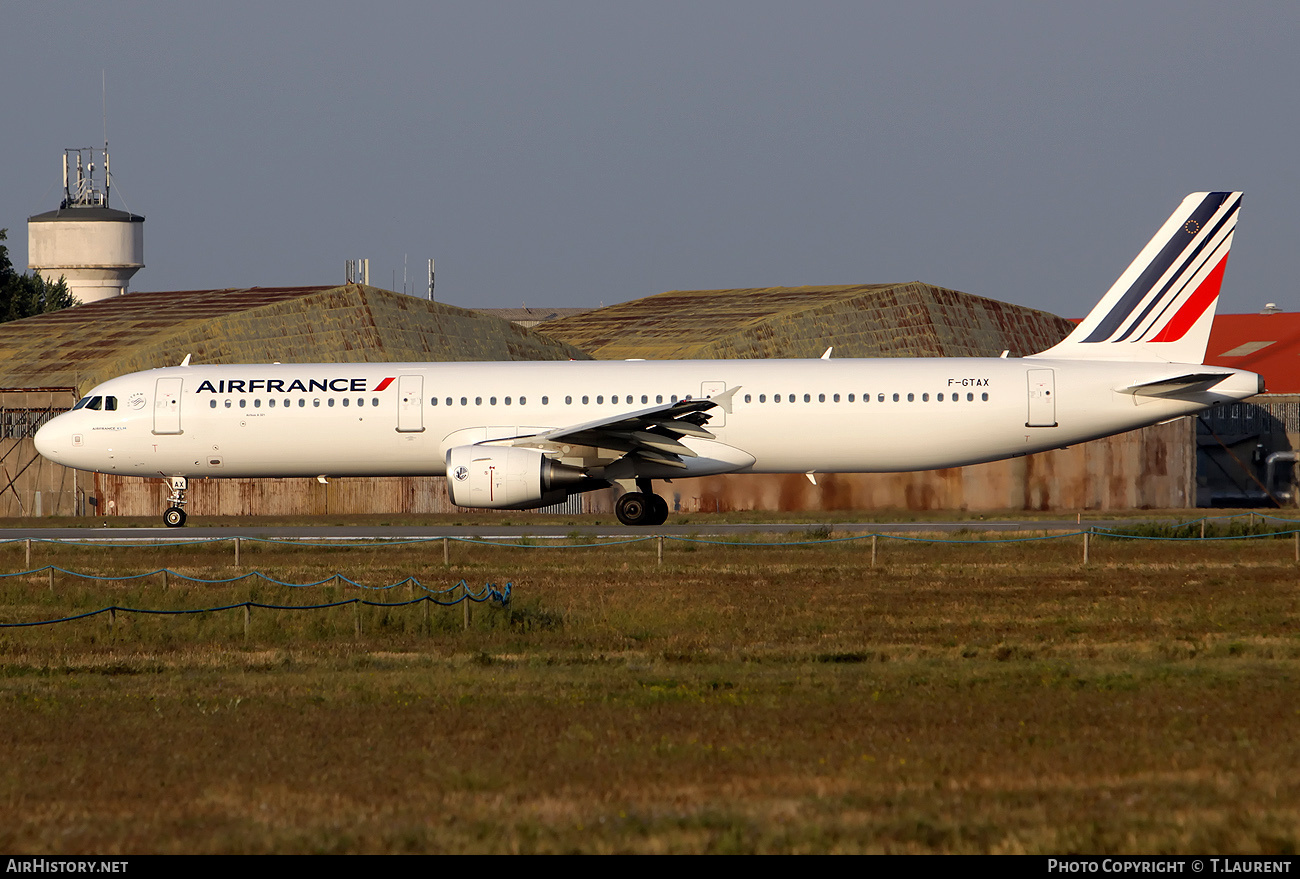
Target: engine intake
{"points": [[509, 478]]}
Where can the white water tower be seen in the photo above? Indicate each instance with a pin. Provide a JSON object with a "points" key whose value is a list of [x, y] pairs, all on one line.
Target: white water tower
{"points": [[95, 247]]}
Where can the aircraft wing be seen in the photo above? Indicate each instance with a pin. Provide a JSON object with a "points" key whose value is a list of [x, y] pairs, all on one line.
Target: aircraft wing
{"points": [[1177, 386], [653, 434]]}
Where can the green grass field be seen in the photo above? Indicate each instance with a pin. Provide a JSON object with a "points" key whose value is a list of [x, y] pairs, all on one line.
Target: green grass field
{"points": [[986, 697]]}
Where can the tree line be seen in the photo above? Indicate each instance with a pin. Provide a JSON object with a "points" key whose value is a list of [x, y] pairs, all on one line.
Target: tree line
{"points": [[26, 295]]}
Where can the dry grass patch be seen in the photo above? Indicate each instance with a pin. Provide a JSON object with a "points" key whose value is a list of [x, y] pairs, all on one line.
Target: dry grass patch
{"points": [[954, 698]]}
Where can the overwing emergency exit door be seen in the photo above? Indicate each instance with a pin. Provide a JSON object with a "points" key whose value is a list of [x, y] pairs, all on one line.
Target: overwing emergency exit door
{"points": [[410, 409], [717, 415]]}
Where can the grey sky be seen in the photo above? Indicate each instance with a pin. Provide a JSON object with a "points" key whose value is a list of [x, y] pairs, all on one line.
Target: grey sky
{"points": [[572, 153]]}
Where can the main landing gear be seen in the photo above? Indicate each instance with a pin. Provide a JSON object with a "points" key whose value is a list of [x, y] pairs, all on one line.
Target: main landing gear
{"points": [[174, 517], [641, 507]]}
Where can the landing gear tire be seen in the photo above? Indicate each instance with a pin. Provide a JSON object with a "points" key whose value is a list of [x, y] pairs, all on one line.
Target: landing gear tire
{"points": [[639, 508], [174, 517], [634, 508], [659, 510]]}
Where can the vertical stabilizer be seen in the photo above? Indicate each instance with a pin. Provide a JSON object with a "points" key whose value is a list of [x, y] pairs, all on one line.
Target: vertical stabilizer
{"points": [[1161, 308]]}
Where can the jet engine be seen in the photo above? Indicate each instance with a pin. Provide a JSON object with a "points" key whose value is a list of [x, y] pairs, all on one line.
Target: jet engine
{"points": [[509, 478]]}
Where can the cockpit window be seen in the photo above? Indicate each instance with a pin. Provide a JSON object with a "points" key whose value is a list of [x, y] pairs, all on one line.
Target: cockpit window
{"points": [[97, 402]]}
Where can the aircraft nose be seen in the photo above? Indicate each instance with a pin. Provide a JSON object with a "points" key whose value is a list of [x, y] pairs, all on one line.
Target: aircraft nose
{"points": [[45, 440]]}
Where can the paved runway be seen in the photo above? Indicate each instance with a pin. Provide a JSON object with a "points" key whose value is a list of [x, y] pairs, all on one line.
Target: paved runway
{"points": [[490, 531]]}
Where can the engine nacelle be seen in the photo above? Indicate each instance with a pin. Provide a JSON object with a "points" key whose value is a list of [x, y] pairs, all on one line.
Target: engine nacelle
{"points": [[509, 478]]}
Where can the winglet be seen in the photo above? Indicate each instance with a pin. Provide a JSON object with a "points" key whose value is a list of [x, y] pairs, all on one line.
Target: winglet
{"points": [[186, 361], [723, 400]]}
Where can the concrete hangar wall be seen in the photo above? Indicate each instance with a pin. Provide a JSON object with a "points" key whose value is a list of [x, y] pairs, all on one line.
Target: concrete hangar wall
{"points": [[47, 361]]}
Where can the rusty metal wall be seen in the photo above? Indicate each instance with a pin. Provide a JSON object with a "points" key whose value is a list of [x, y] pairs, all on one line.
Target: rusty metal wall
{"points": [[1152, 468]]}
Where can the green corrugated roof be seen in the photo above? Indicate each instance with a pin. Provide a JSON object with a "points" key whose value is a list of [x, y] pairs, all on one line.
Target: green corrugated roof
{"points": [[862, 320], [79, 347]]}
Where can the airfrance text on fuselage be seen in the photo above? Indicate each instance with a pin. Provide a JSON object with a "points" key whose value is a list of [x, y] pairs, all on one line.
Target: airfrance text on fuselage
{"points": [[282, 386]]}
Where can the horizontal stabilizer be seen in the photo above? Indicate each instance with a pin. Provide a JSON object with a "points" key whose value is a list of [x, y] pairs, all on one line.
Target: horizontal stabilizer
{"points": [[1178, 386]]}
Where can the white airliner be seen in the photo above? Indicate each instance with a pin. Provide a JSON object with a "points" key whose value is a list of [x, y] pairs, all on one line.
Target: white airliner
{"points": [[524, 435]]}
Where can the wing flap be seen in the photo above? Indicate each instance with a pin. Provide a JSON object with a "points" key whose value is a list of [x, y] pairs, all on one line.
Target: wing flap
{"points": [[651, 434]]}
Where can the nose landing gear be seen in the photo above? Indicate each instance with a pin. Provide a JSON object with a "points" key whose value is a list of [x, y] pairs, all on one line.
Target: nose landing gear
{"points": [[174, 517], [641, 507]]}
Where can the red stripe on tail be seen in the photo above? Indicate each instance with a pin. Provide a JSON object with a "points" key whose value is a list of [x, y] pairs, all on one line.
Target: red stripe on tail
{"points": [[1195, 306]]}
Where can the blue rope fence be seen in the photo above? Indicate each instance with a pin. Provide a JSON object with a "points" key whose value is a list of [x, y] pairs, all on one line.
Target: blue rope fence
{"points": [[489, 594]]}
